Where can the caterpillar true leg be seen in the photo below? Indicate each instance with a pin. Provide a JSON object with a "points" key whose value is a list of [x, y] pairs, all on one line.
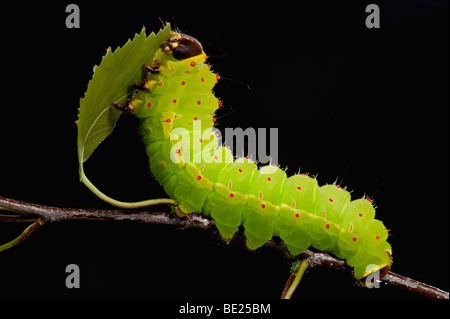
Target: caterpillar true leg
{"points": [[140, 86], [151, 69], [123, 107]]}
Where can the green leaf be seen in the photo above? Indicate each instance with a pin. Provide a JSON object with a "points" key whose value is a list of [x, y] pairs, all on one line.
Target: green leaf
{"points": [[110, 84]]}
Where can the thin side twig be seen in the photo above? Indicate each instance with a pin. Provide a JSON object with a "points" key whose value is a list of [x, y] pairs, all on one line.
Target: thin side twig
{"points": [[39, 222], [294, 279], [47, 214]]}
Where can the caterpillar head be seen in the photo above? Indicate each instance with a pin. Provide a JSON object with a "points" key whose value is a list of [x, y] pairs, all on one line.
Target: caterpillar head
{"points": [[182, 46]]}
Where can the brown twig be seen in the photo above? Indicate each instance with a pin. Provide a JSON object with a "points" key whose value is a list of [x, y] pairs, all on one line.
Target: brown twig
{"points": [[46, 214], [414, 286]]}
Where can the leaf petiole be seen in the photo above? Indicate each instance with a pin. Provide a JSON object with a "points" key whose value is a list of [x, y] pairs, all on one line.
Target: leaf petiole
{"points": [[129, 205]]}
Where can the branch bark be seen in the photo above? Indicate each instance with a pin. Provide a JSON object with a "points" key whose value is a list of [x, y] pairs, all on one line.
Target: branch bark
{"points": [[29, 212]]}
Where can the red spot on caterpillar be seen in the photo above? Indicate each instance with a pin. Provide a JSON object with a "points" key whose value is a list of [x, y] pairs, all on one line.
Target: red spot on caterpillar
{"points": [[201, 168], [187, 72], [369, 200], [269, 179], [168, 120], [324, 214], [354, 238], [217, 77], [360, 215], [297, 215], [327, 226], [219, 102], [162, 164], [160, 84], [231, 195], [174, 101], [299, 188], [240, 170], [195, 118], [202, 79], [200, 140], [192, 63], [350, 228], [214, 120], [178, 151], [199, 177], [337, 186], [215, 157], [198, 102], [183, 82], [263, 205], [377, 238], [330, 199], [149, 104]]}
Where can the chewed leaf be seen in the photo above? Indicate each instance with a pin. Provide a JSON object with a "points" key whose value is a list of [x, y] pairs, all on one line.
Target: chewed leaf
{"points": [[110, 84]]}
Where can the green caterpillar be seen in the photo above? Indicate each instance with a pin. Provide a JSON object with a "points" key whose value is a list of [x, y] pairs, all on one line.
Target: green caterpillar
{"points": [[176, 100]]}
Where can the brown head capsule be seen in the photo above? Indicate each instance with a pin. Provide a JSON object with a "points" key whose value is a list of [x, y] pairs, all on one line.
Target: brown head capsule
{"points": [[182, 46]]}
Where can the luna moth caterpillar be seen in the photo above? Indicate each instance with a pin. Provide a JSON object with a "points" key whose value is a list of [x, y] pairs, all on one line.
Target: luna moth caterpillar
{"points": [[176, 105]]}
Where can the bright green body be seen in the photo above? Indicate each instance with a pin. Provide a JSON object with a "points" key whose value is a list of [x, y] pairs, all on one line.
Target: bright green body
{"points": [[266, 202]]}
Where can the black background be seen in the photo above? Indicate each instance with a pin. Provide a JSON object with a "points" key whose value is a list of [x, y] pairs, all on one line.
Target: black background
{"points": [[366, 107]]}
